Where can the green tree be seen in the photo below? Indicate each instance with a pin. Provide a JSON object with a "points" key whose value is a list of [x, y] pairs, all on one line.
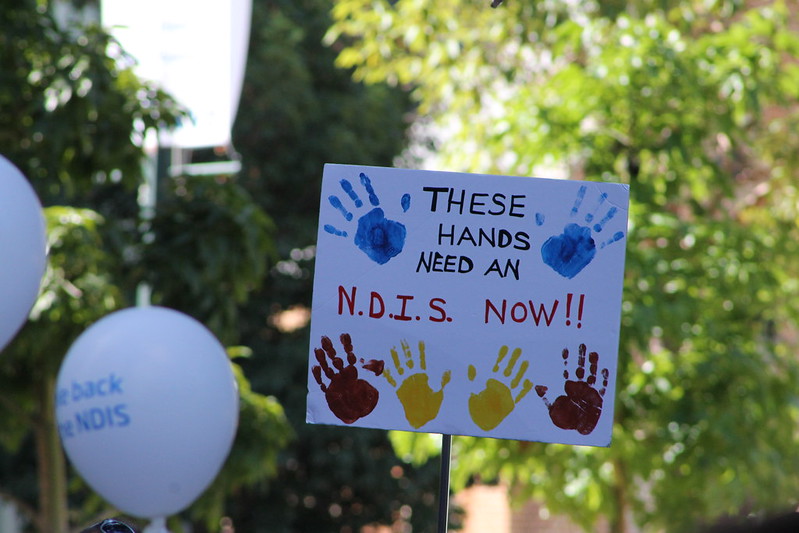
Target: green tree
{"points": [[297, 112], [693, 105], [73, 120]]}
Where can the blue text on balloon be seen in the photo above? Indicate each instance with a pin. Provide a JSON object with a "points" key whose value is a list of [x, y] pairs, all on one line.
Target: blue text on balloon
{"points": [[95, 419], [95, 388]]}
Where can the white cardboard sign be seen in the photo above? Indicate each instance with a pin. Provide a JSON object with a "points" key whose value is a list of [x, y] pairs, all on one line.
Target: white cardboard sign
{"points": [[467, 304]]}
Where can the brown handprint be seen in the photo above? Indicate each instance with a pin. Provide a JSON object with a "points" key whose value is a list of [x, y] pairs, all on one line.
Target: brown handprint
{"points": [[348, 396], [581, 406]]}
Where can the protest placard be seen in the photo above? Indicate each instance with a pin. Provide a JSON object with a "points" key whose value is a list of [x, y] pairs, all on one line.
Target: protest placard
{"points": [[467, 304]]}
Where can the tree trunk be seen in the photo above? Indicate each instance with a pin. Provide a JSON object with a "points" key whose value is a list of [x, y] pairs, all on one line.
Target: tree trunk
{"points": [[51, 464]]}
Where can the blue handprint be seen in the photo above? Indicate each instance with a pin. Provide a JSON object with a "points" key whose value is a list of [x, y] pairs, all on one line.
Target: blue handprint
{"points": [[571, 251], [378, 237]]}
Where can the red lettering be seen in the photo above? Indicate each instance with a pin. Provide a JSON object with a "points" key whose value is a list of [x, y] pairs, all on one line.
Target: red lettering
{"points": [[518, 305], [405, 300], [348, 297], [543, 312], [520, 312], [435, 305], [376, 298], [491, 307]]}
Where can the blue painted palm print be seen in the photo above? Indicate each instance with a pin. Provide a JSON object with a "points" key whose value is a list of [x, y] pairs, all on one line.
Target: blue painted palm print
{"points": [[574, 249], [376, 236]]}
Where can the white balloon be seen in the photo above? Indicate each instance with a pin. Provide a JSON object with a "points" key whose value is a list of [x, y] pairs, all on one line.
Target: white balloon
{"points": [[147, 409], [22, 248]]}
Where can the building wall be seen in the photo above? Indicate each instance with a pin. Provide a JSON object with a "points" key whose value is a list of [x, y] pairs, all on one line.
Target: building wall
{"points": [[487, 510]]}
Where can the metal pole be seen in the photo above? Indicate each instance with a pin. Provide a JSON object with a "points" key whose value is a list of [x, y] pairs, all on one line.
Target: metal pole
{"points": [[443, 490], [156, 167], [147, 203]]}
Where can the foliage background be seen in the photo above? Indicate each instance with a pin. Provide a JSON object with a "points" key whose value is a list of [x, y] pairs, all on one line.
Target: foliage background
{"points": [[693, 105], [233, 251]]}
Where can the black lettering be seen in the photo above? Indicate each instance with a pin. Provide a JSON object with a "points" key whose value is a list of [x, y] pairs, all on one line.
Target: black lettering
{"points": [[437, 262], [505, 238], [490, 239], [513, 205], [442, 235], [452, 201], [475, 203], [478, 202], [498, 200], [510, 267], [494, 267], [522, 241], [424, 261], [434, 199], [466, 235]]}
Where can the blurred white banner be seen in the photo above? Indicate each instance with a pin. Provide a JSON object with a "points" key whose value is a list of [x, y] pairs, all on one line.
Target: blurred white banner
{"points": [[196, 51]]}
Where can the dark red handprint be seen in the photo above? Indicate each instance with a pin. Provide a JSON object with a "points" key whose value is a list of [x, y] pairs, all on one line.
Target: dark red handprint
{"points": [[348, 396], [581, 406]]}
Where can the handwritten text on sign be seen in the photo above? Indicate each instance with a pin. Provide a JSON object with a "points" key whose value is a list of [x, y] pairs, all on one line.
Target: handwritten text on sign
{"points": [[467, 304]]}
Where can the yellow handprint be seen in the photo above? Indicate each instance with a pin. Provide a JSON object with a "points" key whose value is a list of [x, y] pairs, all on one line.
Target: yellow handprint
{"points": [[490, 407], [420, 402]]}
